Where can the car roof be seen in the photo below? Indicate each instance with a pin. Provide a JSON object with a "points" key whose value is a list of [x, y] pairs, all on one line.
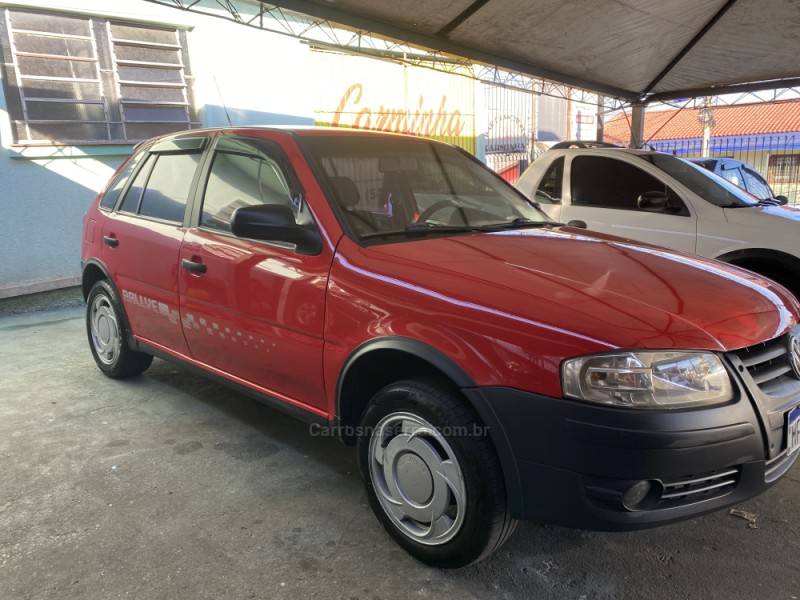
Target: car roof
{"points": [[604, 150], [298, 130]]}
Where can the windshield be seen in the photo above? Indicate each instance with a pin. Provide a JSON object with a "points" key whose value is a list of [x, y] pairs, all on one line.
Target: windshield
{"points": [[702, 182], [388, 187]]}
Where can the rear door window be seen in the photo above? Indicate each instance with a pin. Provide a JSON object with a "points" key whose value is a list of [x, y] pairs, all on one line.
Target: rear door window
{"points": [[161, 187], [168, 187]]}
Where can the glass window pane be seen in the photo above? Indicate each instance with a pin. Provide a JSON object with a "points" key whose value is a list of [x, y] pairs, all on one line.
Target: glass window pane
{"points": [[131, 202], [155, 113], [701, 181], [110, 197], [39, 44], [57, 67], [733, 176], [142, 34], [414, 176], [611, 183], [756, 185], [50, 23], [73, 90], [168, 187], [139, 53], [154, 94], [57, 59], [150, 74], [238, 180], [65, 111], [551, 182]]}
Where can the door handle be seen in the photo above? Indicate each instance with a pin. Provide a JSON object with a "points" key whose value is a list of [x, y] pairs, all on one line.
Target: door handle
{"points": [[194, 267], [110, 241], [576, 223]]}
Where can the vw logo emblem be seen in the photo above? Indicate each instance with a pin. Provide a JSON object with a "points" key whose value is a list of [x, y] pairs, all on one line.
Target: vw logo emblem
{"points": [[794, 354]]}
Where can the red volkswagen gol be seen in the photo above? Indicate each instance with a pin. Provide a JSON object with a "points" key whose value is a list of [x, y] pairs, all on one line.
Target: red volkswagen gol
{"points": [[490, 365]]}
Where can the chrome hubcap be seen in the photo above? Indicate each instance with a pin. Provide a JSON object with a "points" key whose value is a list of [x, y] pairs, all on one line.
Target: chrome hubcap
{"points": [[104, 329], [417, 478]]}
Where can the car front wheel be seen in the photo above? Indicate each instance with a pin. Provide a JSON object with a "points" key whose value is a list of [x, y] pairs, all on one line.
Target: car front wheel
{"points": [[432, 476]]}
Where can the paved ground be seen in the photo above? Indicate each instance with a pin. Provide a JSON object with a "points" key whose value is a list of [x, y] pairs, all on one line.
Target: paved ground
{"points": [[168, 486]]}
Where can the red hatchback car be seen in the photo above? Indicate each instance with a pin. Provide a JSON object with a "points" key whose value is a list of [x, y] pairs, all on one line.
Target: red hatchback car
{"points": [[489, 364]]}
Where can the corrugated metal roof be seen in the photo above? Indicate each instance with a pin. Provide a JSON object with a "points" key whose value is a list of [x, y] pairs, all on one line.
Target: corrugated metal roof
{"points": [[625, 48], [734, 120]]}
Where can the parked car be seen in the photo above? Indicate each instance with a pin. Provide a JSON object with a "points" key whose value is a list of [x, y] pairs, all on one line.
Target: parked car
{"points": [[742, 175], [488, 364], [661, 199]]}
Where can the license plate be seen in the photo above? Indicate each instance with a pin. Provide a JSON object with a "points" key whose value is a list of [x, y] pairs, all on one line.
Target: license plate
{"points": [[793, 430]]}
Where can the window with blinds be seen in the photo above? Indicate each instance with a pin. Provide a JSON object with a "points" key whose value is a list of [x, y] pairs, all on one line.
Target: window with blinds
{"points": [[784, 168], [73, 79]]}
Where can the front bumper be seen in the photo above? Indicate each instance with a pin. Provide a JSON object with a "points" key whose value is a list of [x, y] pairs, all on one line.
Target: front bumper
{"points": [[569, 463]]}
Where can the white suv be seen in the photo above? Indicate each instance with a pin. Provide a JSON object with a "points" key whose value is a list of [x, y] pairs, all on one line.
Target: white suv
{"points": [[664, 200]]}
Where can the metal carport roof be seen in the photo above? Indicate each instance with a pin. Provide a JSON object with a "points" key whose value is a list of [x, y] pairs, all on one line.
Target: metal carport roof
{"points": [[635, 50]]}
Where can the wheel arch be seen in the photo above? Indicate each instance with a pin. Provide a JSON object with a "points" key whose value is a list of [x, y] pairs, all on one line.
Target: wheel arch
{"points": [[769, 263], [378, 362], [94, 271], [365, 372]]}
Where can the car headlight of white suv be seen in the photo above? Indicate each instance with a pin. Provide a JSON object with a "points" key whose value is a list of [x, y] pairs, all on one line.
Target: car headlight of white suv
{"points": [[648, 380]]}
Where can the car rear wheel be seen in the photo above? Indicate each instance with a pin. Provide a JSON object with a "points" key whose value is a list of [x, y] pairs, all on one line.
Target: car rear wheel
{"points": [[432, 476], [105, 326]]}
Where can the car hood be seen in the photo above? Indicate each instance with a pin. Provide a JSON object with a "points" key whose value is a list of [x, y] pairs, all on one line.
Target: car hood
{"points": [[603, 289], [778, 219]]}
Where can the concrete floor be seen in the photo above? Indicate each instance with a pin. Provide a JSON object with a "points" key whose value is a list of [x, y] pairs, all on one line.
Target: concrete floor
{"points": [[169, 486]]}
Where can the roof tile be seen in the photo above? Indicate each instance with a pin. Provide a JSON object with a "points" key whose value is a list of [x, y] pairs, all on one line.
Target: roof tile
{"points": [[745, 119]]}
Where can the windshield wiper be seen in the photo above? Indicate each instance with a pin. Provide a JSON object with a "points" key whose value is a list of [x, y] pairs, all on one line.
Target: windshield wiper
{"points": [[518, 223], [420, 229], [428, 228]]}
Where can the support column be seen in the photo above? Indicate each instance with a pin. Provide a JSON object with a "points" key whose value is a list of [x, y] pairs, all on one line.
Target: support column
{"points": [[600, 117], [637, 125]]}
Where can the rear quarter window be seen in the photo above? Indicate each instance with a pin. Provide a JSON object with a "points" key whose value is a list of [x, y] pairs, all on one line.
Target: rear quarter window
{"points": [[111, 196]]}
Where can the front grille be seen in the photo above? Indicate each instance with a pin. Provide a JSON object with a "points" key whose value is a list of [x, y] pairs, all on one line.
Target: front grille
{"points": [[769, 366], [695, 488]]}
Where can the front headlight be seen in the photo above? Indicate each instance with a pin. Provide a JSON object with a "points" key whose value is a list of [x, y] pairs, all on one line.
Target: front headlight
{"points": [[648, 380]]}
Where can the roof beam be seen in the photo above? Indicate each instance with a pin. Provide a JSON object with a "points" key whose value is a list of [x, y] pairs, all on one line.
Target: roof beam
{"points": [[688, 47], [734, 88], [465, 14], [425, 40]]}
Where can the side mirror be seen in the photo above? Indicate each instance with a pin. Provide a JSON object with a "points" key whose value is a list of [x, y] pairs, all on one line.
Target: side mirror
{"points": [[782, 199], [653, 201], [274, 223]]}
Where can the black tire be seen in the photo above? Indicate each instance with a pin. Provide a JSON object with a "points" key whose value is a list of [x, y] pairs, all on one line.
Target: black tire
{"points": [[396, 470], [107, 331]]}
